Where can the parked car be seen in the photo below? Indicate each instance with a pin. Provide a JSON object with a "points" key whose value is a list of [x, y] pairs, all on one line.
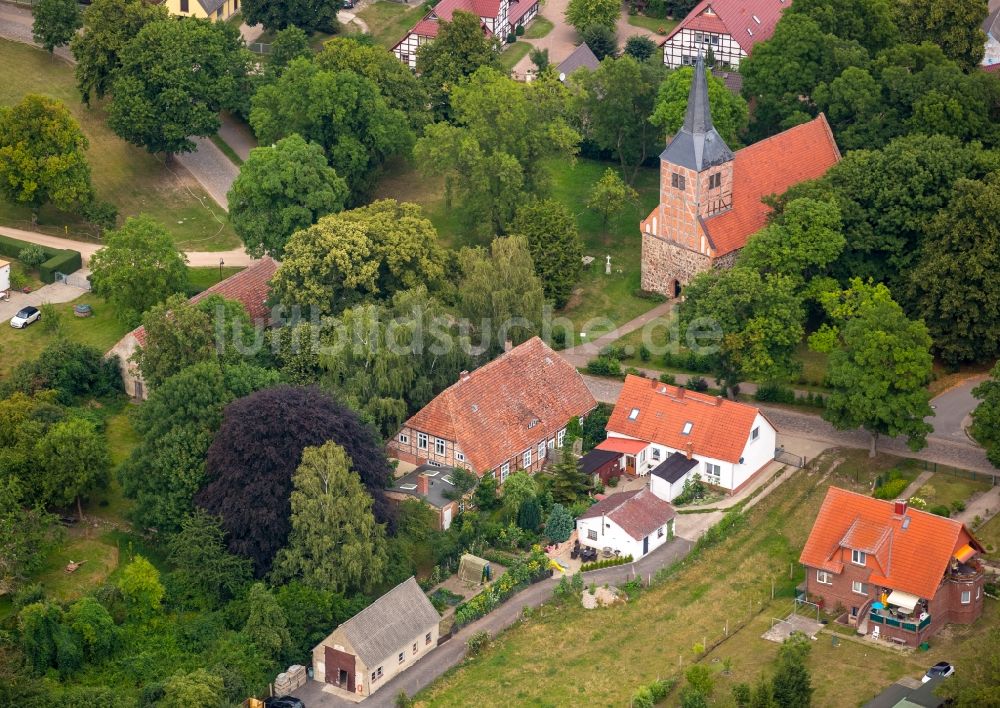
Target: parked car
{"points": [[348, 4], [283, 702], [24, 317], [942, 669]]}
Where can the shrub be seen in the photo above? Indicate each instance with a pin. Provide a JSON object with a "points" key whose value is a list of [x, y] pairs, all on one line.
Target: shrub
{"points": [[774, 393], [668, 379], [688, 361], [51, 318], [644, 352], [958, 505], [612, 482], [697, 383], [32, 256], [606, 563], [633, 371], [478, 641], [940, 510], [604, 366], [891, 489], [613, 351], [511, 38], [102, 214], [519, 31]]}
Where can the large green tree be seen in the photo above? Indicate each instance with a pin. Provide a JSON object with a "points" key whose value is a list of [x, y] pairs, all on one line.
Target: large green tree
{"points": [[369, 253], [880, 365], [555, 246], [341, 110], [76, 460], [954, 286], [872, 23], [753, 323], [27, 533], [729, 110], [138, 267], [613, 105], [141, 588], [610, 195], [569, 483], [205, 573], [488, 169], [955, 25], [281, 189], [583, 14], [335, 542], [986, 416], [43, 155], [309, 15], [266, 627], [458, 51], [197, 688], [56, 21], [159, 101], [108, 25]]}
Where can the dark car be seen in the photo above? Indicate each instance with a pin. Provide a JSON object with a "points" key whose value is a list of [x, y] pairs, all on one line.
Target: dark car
{"points": [[348, 4], [942, 669], [283, 702]]}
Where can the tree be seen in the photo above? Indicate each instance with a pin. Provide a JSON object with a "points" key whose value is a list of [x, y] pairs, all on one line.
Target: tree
{"points": [[463, 482], [256, 451], [569, 483], [42, 155], [56, 21], [40, 627], [71, 369], [485, 497], [197, 688], [955, 25], [458, 51], [559, 525], [952, 287], [309, 613], [529, 515], [26, 535], [108, 25], [288, 44], [140, 586], [540, 58], [986, 417], [176, 427], [499, 292], [369, 253], [335, 542], [880, 365], [614, 104], [640, 47], [491, 170], [310, 15], [266, 627], [602, 40], [554, 242], [583, 14], [518, 488], [282, 189], [138, 267], [729, 110], [759, 319], [792, 686], [593, 432], [94, 628], [872, 23], [158, 101], [75, 459], [342, 111], [204, 571], [610, 195]]}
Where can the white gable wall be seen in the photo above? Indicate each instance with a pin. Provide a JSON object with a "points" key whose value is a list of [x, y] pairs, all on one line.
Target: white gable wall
{"points": [[609, 534]]}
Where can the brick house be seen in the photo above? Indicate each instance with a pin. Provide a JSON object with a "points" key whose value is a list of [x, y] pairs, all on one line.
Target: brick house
{"points": [[710, 197], [898, 573], [428, 484], [654, 424], [730, 28], [498, 17], [250, 287], [504, 416]]}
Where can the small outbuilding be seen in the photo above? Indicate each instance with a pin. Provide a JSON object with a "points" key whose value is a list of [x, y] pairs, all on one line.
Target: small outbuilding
{"points": [[602, 465], [430, 484], [628, 523], [473, 570], [384, 639], [667, 479]]}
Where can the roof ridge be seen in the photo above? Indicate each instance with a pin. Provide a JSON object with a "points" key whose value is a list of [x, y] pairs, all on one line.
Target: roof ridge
{"points": [[786, 131]]}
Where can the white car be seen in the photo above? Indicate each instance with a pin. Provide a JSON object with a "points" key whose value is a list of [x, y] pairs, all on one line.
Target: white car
{"points": [[942, 669], [24, 317]]}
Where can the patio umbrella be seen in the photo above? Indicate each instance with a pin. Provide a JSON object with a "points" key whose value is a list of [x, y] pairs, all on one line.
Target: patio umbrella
{"points": [[878, 606]]}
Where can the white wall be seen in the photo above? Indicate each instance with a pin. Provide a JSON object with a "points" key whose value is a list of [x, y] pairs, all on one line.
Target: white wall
{"points": [[614, 536], [665, 490]]}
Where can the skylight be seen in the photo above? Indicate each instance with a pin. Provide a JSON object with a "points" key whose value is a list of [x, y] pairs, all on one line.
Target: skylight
{"points": [[756, 19], [633, 414], [431, 474], [408, 487], [687, 428], [448, 480], [749, 31]]}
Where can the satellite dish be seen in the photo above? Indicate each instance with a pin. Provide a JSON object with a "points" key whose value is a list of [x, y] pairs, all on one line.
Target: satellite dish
{"points": [[562, 76], [741, 460]]}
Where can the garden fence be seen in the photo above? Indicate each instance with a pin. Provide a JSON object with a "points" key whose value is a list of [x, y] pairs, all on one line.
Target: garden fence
{"points": [[990, 477]]}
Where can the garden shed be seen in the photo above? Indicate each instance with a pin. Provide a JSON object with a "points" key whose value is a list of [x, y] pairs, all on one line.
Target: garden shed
{"points": [[474, 570]]}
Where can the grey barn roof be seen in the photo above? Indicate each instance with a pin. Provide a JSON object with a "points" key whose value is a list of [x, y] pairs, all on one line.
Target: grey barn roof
{"points": [[596, 459], [390, 623], [697, 145], [674, 467], [581, 57]]}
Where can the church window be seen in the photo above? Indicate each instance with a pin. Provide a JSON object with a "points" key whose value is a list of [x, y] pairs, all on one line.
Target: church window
{"points": [[677, 180], [715, 181]]}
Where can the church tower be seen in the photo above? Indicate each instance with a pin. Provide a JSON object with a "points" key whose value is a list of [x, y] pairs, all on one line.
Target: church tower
{"points": [[696, 182]]}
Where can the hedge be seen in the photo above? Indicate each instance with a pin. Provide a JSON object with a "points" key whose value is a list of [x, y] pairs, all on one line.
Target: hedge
{"points": [[606, 563], [57, 260]]}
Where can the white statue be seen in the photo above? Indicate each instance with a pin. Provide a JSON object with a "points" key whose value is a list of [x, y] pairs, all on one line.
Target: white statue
{"points": [[607, 266]]}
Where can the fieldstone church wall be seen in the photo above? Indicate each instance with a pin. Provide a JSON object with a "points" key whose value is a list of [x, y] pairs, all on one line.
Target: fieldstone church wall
{"points": [[664, 263]]}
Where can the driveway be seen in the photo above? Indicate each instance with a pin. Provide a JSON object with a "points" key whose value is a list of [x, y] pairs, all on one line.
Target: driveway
{"points": [[54, 293], [953, 410]]}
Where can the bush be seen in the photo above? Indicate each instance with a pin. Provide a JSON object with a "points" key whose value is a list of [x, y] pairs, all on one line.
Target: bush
{"points": [[613, 351], [958, 505], [668, 379], [51, 318], [478, 641], [32, 256], [102, 214], [940, 510], [511, 38], [519, 31], [605, 563], [613, 482], [774, 393], [697, 383], [604, 366], [520, 574], [688, 361], [62, 262], [891, 489], [644, 352]]}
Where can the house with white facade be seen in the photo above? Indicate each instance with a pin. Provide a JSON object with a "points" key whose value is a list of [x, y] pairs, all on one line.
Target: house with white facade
{"points": [[630, 523], [729, 28], [500, 18], [726, 442]]}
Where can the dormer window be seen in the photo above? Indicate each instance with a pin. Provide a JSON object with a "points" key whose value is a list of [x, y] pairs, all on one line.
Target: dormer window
{"points": [[859, 557], [633, 414], [686, 430]]}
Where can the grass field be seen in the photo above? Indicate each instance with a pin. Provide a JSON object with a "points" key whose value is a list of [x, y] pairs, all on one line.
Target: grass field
{"points": [[389, 21], [538, 28], [989, 535], [513, 54], [947, 489], [123, 174], [570, 656], [653, 24]]}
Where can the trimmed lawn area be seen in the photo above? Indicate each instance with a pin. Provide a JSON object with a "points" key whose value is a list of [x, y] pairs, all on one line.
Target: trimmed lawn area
{"points": [[538, 28], [513, 54], [390, 21], [127, 176], [653, 24], [949, 489], [989, 535], [101, 559]]}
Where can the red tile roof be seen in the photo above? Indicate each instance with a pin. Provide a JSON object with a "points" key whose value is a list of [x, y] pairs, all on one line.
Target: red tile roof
{"points": [[639, 513], [444, 10], [623, 445], [770, 166], [720, 428], [507, 406], [736, 17], [911, 559]]}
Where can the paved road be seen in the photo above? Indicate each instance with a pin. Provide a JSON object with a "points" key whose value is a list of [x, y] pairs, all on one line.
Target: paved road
{"points": [[237, 135], [15, 24], [952, 410]]}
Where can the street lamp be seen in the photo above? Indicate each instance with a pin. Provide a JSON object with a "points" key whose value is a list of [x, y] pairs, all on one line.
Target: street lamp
{"points": [[221, 263]]}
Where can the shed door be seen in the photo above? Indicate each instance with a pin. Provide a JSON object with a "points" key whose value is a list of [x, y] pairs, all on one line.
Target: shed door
{"points": [[446, 517], [645, 545], [340, 668]]}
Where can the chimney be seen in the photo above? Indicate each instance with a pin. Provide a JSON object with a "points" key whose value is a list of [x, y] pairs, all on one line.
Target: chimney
{"points": [[508, 345], [680, 392], [464, 376], [423, 485], [899, 507], [718, 400], [690, 450]]}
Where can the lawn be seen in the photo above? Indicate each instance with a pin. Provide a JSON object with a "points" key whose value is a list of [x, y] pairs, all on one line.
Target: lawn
{"points": [[123, 174], [950, 490], [653, 24], [389, 21], [513, 54], [203, 278], [989, 535], [538, 28], [101, 559]]}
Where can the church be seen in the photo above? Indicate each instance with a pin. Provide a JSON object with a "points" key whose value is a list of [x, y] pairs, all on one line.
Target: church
{"points": [[710, 197]]}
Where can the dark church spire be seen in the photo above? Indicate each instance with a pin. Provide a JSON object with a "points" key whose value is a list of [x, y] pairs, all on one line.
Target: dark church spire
{"points": [[697, 145]]}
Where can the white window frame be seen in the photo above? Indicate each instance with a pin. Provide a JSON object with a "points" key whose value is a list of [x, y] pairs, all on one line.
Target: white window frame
{"points": [[824, 577], [654, 453], [541, 450], [526, 458], [859, 557], [966, 597], [427, 639], [460, 456], [561, 438], [713, 473], [591, 535], [858, 587], [421, 441], [504, 472], [440, 447], [402, 657], [403, 438], [642, 455]]}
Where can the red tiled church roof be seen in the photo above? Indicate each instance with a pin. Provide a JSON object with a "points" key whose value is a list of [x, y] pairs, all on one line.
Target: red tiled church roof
{"points": [[720, 428], [770, 166], [911, 556], [639, 513], [735, 18], [506, 406]]}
